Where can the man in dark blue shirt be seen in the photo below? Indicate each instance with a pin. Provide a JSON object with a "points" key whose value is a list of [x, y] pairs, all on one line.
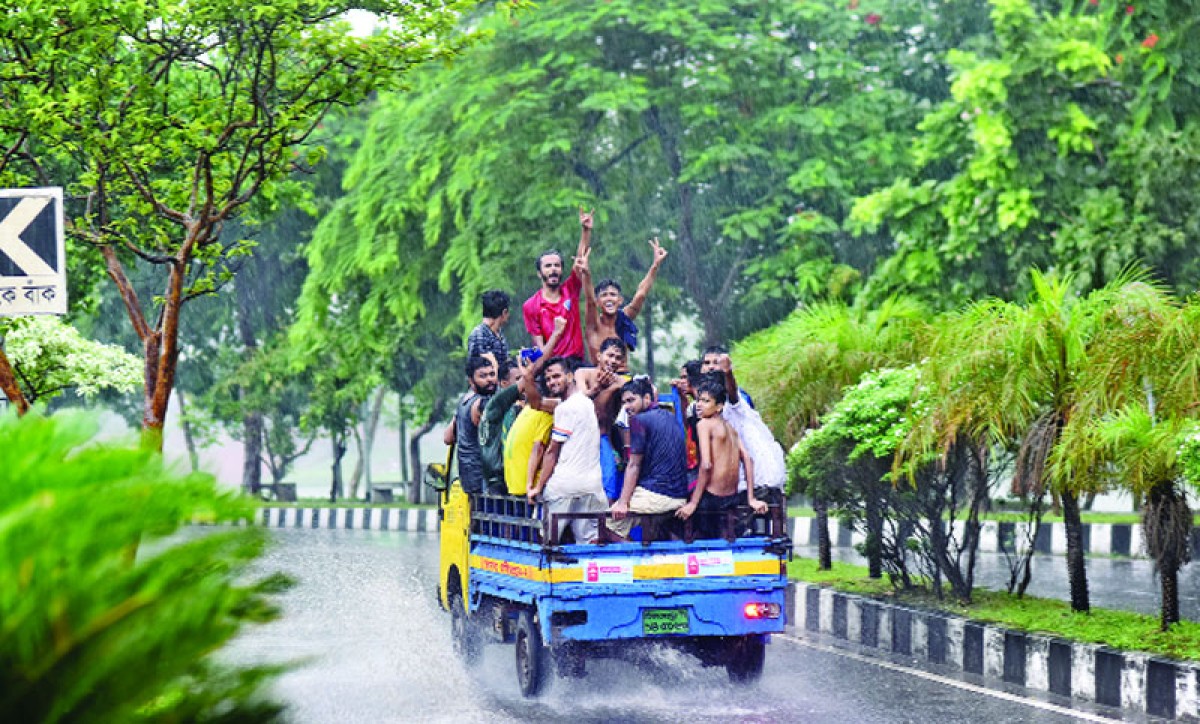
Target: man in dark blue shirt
{"points": [[656, 474]]}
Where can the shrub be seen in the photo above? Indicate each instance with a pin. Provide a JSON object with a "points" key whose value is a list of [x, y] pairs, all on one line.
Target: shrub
{"points": [[107, 612]]}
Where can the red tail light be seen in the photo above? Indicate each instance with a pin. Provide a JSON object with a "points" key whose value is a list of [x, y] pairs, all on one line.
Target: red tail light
{"points": [[761, 610]]}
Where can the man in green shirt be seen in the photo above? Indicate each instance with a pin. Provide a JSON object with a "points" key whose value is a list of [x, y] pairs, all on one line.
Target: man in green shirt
{"points": [[494, 423]]}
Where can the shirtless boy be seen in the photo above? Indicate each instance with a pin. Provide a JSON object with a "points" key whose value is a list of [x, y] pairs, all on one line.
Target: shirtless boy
{"points": [[606, 313], [721, 454], [603, 384]]}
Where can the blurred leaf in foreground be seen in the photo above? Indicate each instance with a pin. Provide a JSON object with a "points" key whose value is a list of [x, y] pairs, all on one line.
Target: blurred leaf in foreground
{"points": [[104, 614]]}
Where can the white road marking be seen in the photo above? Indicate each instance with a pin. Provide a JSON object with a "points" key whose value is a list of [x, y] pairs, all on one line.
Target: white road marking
{"points": [[1043, 705]]}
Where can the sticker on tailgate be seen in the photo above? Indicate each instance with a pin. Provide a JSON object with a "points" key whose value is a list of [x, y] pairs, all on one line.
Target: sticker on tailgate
{"points": [[709, 563], [608, 570]]}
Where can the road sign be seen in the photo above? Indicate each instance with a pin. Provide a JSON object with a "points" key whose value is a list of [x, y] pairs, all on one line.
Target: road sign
{"points": [[33, 261]]}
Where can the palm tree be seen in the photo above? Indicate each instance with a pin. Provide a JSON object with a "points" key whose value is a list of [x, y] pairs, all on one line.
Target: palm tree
{"points": [[1142, 451], [800, 367], [1014, 376]]}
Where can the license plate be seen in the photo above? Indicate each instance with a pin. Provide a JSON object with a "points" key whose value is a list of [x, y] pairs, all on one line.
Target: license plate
{"points": [[659, 621]]}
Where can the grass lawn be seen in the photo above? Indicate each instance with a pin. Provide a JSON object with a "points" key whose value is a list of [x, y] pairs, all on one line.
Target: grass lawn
{"points": [[1118, 629], [1006, 516]]}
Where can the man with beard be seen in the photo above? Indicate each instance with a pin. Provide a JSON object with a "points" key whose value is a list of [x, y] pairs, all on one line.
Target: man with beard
{"points": [[607, 314], [570, 476], [558, 298], [481, 376]]}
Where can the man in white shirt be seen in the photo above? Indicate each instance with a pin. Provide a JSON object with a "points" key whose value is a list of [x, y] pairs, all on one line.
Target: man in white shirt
{"points": [[770, 466], [570, 480]]}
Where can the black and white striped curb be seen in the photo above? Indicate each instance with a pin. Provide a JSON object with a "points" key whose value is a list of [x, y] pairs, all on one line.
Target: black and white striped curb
{"points": [[1122, 539], [357, 518], [1098, 538], [1002, 657]]}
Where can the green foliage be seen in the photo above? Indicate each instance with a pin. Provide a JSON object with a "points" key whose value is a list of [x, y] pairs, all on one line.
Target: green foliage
{"points": [[737, 132], [50, 356], [1039, 157], [109, 612], [871, 420], [1188, 452], [166, 121], [799, 368]]}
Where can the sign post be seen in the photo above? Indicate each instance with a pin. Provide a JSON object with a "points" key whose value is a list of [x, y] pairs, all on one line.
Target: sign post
{"points": [[33, 265]]}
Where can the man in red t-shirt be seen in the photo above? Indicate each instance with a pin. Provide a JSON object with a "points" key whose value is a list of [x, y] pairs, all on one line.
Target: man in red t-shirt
{"points": [[558, 298]]}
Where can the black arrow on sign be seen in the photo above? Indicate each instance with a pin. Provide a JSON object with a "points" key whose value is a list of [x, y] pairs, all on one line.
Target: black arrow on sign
{"points": [[11, 229]]}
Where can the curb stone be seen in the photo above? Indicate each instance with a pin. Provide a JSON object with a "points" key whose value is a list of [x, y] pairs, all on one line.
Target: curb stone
{"points": [[1004, 658]]}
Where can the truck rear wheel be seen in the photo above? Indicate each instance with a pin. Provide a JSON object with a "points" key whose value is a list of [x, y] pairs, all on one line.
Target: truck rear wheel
{"points": [[744, 659], [531, 655], [465, 634]]}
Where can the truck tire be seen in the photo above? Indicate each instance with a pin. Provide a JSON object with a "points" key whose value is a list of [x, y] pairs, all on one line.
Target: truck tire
{"points": [[464, 633], [744, 659], [531, 655]]}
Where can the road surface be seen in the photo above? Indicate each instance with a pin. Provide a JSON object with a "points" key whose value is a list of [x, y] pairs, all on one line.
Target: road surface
{"points": [[373, 646]]}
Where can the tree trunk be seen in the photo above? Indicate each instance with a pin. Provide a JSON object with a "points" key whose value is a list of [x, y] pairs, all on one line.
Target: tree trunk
{"points": [[1167, 528], [824, 553], [874, 543], [357, 475], [189, 439], [436, 412], [162, 345], [8, 383], [414, 458], [1169, 577], [370, 429], [252, 420], [697, 284], [403, 442], [252, 436], [338, 441], [1076, 565]]}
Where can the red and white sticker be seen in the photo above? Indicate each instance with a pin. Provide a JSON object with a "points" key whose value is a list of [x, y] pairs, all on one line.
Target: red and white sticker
{"points": [[709, 563], [608, 571]]}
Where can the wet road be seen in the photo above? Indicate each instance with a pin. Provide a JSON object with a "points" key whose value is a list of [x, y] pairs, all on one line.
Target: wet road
{"points": [[375, 647], [1119, 583]]}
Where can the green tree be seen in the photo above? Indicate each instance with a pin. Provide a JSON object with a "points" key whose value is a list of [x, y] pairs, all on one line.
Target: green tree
{"points": [[175, 118], [1067, 143], [1015, 375], [847, 461], [108, 613], [50, 357], [1145, 452], [800, 368], [737, 132]]}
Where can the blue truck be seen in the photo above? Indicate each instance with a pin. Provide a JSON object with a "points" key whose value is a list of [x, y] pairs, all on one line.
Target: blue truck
{"points": [[504, 577]]}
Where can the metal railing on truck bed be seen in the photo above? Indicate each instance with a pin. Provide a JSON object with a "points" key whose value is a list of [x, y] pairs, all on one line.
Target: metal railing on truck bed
{"points": [[513, 518]]}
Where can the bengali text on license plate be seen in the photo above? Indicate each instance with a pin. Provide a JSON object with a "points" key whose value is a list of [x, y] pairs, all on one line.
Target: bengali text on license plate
{"points": [[656, 621]]}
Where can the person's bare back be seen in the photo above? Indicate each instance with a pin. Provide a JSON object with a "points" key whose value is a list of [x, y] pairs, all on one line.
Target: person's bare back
{"points": [[725, 457]]}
